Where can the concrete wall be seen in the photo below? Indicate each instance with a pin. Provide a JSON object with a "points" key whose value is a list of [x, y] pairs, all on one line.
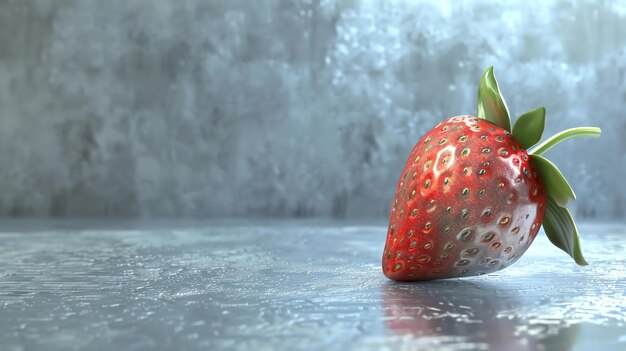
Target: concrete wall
{"points": [[285, 108]]}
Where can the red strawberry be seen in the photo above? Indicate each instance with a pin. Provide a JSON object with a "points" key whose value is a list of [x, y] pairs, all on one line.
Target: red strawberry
{"points": [[471, 198]]}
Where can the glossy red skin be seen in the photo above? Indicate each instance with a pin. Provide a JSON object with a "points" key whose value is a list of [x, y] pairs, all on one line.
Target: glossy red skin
{"points": [[480, 220]]}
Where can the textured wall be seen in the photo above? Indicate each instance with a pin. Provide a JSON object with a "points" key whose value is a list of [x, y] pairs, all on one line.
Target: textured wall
{"points": [[285, 108]]}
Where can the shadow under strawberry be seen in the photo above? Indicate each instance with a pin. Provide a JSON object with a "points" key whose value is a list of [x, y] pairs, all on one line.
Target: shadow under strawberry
{"points": [[470, 313]]}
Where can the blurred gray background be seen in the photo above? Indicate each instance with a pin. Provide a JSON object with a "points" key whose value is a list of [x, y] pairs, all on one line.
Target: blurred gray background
{"points": [[285, 108]]}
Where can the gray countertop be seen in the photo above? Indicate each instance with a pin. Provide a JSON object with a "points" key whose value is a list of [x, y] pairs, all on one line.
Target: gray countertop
{"points": [[291, 285]]}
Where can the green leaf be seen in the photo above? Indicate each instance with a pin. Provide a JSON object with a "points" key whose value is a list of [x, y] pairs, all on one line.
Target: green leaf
{"points": [[561, 230], [491, 104], [580, 132], [529, 127], [554, 182]]}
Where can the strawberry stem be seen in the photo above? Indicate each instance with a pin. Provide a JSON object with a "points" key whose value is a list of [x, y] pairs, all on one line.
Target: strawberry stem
{"points": [[580, 132]]}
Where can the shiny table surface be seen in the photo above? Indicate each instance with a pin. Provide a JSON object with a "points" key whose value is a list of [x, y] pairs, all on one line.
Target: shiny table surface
{"points": [[291, 285]]}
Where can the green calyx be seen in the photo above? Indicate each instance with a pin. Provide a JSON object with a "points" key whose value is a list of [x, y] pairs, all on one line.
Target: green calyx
{"points": [[558, 223], [491, 104]]}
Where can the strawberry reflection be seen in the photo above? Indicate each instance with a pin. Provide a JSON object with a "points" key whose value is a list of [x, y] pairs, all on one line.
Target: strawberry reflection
{"points": [[469, 314]]}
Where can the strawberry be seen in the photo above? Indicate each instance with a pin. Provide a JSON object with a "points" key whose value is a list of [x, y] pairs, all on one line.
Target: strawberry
{"points": [[474, 193]]}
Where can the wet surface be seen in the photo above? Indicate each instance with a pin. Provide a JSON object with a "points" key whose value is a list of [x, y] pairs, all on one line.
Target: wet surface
{"points": [[289, 286]]}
